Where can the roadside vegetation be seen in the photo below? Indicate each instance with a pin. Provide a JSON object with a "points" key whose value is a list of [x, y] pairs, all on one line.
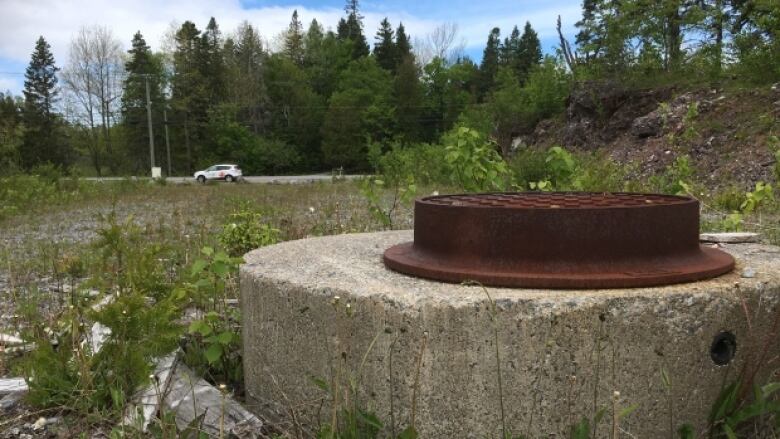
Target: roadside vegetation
{"points": [[673, 97]]}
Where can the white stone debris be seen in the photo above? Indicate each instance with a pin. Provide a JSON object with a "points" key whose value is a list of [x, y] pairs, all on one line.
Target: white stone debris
{"points": [[144, 404], [190, 397], [12, 385]]}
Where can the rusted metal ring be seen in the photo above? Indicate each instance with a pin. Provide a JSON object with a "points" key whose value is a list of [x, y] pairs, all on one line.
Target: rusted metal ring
{"points": [[558, 240]]}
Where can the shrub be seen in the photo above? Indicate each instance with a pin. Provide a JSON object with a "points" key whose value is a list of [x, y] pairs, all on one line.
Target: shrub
{"points": [[271, 157], [473, 161], [422, 161], [245, 231]]}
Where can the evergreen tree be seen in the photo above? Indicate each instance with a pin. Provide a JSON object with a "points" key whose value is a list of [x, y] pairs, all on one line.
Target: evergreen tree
{"points": [[588, 39], [41, 142], [212, 62], [529, 52], [510, 48], [10, 131], [384, 46], [189, 90], [402, 45], [490, 61], [141, 67], [293, 40], [351, 30], [298, 110], [312, 43], [359, 112], [247, 80], [326, 57], [408, 100]]}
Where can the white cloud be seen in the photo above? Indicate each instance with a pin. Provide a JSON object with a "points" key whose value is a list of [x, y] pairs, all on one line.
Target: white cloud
{"points": [[9, 84], [22, 21]]}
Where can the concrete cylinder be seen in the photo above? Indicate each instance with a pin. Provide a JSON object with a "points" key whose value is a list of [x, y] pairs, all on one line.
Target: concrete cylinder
{"points": [[326, 313]]}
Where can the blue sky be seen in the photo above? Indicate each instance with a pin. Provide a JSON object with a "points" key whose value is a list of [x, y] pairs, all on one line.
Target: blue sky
{"points": [[22, 21]]}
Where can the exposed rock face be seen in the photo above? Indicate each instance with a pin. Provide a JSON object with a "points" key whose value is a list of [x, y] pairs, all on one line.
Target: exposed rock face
{"points": [[598, 112], [671, 116]]}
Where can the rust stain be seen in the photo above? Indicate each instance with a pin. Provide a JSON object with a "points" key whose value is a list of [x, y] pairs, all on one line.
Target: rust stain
{"points": [[558, 240]]}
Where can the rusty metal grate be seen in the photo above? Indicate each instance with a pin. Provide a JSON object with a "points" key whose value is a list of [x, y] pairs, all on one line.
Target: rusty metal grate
{"points": [[555, 200], [558, 240]]}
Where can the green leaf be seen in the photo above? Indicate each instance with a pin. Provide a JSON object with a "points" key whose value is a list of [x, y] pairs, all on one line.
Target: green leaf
{"points": [[627, 411], [321, 383], [686, 432], [213, 353], [408, 433], [729, 432], [225, 338], [580, 430], [665, 379], [220, 268], [200, 327], [724, 403], [208, 251], [198, 266], [599, 415], [370, 419]]}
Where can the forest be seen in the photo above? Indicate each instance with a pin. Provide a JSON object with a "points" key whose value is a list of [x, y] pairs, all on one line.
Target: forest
{"points": [[318, 99]]}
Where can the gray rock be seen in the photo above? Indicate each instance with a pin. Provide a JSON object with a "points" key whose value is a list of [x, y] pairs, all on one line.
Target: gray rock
{"points": [[647, 126], [10, 400]]}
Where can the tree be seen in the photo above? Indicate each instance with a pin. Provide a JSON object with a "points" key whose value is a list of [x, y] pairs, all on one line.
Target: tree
{"points": [[448, 90], [293, 40], [402, 45], [246, 80], [351, 30], [490, 61], [408, 100], [41, 142], [326, 57], [10, 131], [359, 112], [189, 90], [211, 62], [509, 50], [528, 52], [384, 46], [142, 66], [92, 78], [440, 43], [297, 110]]}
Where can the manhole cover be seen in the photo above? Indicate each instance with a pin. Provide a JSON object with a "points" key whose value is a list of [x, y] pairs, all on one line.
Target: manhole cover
{"points": [[558, 240]]}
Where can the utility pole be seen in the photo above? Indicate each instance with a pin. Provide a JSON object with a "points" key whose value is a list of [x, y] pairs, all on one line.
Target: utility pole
{"points": [[167, 143], [149, 118]]}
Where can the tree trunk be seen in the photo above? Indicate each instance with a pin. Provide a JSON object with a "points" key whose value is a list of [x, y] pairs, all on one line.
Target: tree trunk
{"points": [[718, 36], [674, 40]]}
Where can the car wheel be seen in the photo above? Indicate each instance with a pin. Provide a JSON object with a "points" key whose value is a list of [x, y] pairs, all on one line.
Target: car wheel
{"points": [[229, 178], [201, 179]]}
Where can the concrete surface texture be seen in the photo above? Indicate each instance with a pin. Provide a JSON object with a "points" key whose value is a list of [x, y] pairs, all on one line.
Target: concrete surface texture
{"points": [[425, 352]]}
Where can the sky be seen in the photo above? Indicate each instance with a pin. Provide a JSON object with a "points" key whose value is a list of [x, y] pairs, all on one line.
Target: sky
{"points": [[22, 21]]}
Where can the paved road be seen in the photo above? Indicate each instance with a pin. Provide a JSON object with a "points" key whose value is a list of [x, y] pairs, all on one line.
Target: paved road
{"points": [[256, 179]]}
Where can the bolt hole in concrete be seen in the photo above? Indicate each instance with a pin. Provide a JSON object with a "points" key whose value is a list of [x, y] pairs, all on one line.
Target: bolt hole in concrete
{"points": [[723, 349]]}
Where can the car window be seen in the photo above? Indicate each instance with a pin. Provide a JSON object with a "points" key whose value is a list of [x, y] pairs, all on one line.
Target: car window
{"points": [[213, 168], [223, 168]]}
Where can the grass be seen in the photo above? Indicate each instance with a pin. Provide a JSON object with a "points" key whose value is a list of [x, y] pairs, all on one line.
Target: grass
{"points": [[146, 237]]}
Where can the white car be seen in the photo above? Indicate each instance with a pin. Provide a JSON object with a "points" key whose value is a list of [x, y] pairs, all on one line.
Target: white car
{"points": [[220, 172]]}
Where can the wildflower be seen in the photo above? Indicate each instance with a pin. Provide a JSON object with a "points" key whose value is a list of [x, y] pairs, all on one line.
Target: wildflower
{"points": [[311, 209]]}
